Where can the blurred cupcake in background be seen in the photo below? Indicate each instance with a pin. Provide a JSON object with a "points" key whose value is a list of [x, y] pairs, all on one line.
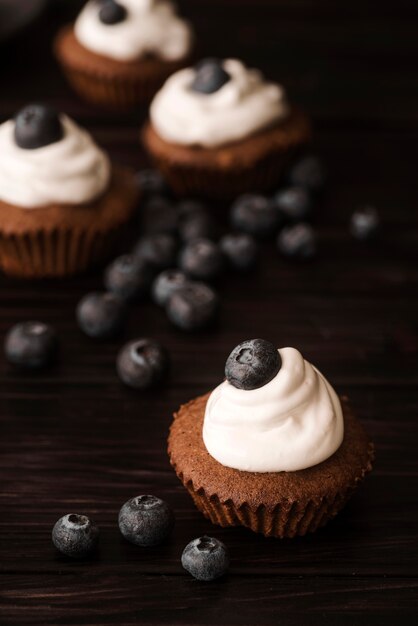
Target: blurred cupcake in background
{"points": [[220, 129], [119, 53], [63, 205]]}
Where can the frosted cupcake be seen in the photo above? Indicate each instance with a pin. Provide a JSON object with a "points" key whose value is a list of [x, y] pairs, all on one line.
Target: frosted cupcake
{"points": [[220, 129], [62, 204], [120, 53], [272, 448]]}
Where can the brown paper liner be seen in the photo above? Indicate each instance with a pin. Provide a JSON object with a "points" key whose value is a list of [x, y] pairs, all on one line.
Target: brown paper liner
{"points": [[286, 504], [60, 240], [255, 164], [106, 82]]}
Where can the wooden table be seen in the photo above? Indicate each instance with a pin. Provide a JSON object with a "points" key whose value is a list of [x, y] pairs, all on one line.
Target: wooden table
{"points": [[74, 439]]}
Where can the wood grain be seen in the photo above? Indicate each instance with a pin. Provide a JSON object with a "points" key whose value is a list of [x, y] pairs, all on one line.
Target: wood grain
{"points": [[74, 439]]}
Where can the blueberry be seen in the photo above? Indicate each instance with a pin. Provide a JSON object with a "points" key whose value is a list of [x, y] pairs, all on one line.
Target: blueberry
{"points": [[240, 250], [75, 535], [196, 225], [252, 364], [294, 203], [166, 284], [255, 215], [151, 182], [209, 77], [205, 558], [142, 363], [31, 345], [112, 12], [128, 277], [37, 125], [192, 307], [364, 222], [308, 172], [298, 241], [146, 520], [158, 250], [101, 315], [159, 216], [201, 258]]}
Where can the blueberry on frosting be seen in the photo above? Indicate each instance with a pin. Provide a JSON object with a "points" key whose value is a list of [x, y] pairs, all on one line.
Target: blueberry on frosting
{"points": [[112, 12], [37, 125], [210, 76], [252, 364]]}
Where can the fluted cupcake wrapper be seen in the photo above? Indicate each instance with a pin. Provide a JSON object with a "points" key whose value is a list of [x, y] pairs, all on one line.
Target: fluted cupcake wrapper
{"points": [[55, 253], [111, 92], [286, 520], [195, 179]]}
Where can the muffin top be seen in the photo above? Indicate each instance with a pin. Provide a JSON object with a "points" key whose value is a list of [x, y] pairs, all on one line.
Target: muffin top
{"points": [[216, 103], [273, 413], [46, 158], [128, 30]]}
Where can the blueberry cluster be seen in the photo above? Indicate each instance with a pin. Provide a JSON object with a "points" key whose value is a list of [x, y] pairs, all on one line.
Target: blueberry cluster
{"points": [[144, 521], [286, 213], [176, 261]]}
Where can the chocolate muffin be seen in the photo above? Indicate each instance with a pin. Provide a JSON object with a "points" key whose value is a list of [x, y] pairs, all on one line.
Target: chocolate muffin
{"points": [[219, 129], [281, 459], [118, 54], [63, 206]]}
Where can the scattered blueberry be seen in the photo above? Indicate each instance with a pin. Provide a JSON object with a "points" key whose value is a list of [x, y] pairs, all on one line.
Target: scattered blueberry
{"points": [[294, 203], [75, 535], [142, 363], [205, 558], [201, 258], [308, 172], [151, 182], [101, 315], [37, 125], [364, 222], [298, 241], [158, 250], [196, 225], [31, 345], [111, 12], [159, 216], [240, 250], [192, 307], [255, 215], [252, 364], [210, 76], [166, 284], [146, 520], [128, 277]]}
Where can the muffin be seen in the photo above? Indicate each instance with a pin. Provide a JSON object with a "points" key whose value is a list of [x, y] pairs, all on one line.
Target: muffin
{"points": [[272, 448], [120, 53], [63, 206], [220, 129]]}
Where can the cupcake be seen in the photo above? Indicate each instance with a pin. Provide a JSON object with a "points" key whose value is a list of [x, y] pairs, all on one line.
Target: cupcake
{"points": [[120, 53], [62, 204], [220, 129], [272, 448]]}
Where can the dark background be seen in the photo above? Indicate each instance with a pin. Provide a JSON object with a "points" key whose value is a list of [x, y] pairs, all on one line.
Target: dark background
{"points": [[75, 440]]}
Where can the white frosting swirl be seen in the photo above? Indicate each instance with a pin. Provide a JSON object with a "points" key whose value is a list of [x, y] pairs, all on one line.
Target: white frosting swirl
{"points": [[73, 170], [150, 27], [243, 106], [295, 421]]}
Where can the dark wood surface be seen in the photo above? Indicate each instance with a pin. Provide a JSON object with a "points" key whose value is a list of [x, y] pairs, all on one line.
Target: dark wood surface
{"points": [[74, 439]]}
